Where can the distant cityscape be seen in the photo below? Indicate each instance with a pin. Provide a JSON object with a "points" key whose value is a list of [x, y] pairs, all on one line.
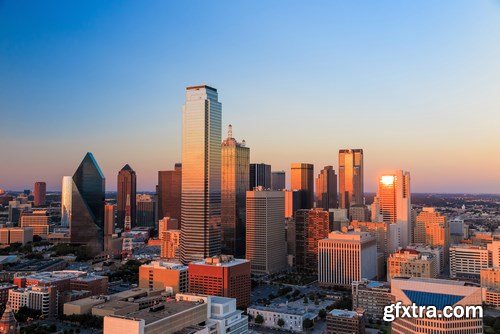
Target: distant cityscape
{"points": [[224, 245]]}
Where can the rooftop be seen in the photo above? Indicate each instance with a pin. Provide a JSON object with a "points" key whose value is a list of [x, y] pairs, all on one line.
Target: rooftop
{"points": [[221, 261], [344, 313]]}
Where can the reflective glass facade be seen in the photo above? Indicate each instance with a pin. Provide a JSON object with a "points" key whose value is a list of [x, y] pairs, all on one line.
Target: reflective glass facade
{"points": [[302, 178], [66, 193], [201, 174], [326, 189], [87, 219], [126, 186], [350, 177], [235, 183]]}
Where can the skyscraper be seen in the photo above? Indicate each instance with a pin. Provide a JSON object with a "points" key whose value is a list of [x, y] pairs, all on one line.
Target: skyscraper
{"points": [[235, 183], [201, 179], [350, 177], [169, 192], [109, 225], [265, 231], [66, 193], [260, 176], [278, 180], [310, 227], [302, 178], [326, 189], [40, 190], [145, 210], [87, 218], [394, 207], [127, 187]]}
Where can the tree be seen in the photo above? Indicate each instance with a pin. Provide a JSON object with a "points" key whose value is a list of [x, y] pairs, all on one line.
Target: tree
{"points": [[259, 319], [307, 323], [281, 322], [305, 300], [322, 313]]}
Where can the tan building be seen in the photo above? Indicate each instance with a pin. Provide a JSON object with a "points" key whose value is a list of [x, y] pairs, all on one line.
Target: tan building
{"points": [[38, 220], [346, 257], [170, 244], [372, 297], [159, 275], [494, 249], [441, 293], [379, 230], [265, 231], [431, 228], [490, 283], [345, 322], [12, 235], [410, 263], [467, 260], [310, 227]]}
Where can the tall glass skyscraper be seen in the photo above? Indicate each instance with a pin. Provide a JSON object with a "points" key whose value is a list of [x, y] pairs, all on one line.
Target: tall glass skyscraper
{"points": [[66, 193], [126, 186], [260, 176], [87, 201], [235, 183], [350, 177], [201, 174], [302, 178], [326, 188]]}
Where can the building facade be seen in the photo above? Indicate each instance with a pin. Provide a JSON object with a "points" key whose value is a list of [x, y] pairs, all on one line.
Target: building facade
{"points": [[310, 227], [350, 177], [170, 192], [126, 188], [302, 178], [326, 189], [260, 176]]}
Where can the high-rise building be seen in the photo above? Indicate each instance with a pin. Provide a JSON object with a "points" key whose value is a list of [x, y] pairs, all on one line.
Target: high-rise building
{"points": [[260, 176], [302, 178], [145, 210], [346, 257], [292, 202], [438, 293], [411, 263], [377, 229], [127, 188], [466, 261], [222, 276], [159, 275], [201, 179], [350, 177], [235, 183], [109, 225], [39, 193], [66, 194], [326, 189], [310, 227], [394, 207], [458, 230], [38, 220], [359, 212], [87, 202], [431, 228], [278, 180], [265, 231], [170, 192]]}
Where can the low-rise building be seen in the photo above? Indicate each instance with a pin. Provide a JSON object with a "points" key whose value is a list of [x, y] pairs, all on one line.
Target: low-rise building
{"points": [[372, 297], [466, 261], [345, 322], [410, 263], [162, 275]]}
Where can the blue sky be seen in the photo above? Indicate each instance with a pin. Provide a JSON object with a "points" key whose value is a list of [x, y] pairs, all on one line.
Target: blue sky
{"points": [[414, 83]]}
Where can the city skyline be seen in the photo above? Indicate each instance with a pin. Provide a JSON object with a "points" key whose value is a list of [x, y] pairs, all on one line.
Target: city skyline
{"points": [[416, 92]]}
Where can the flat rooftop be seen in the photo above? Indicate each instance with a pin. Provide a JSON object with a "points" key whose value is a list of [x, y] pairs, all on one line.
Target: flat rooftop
{"points": [[170, 308], [344, 313]]}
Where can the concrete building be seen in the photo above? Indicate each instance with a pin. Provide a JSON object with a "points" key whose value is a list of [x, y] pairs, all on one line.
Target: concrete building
{"points": [[38, 220], [160, 275], [490, 283], [359, 212], [410, 263], [278, 180], [346, 257], [372, 297], [345, 322], [43, 299], [12, 235], [431, 228], [265, 231], [222, 276], [466, 261], [438, 293]]}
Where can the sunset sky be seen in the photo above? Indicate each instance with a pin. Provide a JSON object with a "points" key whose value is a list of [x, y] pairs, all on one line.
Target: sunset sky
{"points": [[415, 84]]}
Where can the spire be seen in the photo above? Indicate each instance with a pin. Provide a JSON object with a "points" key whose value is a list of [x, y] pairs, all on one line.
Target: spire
{"points": [[8, 322], [230, 131], [127, 167]]}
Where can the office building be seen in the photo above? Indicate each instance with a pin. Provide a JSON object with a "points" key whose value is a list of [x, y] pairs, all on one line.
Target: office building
{"points": [[145, 211], [346, 257], [87, 206], [350, 177], [16, 208], [126, 189], [109, 225], [394, 207], [410, 263], [201, 179], [436, 251], [310, 227], [170, 192], [379, 230], [260, 176], [494, 250], [235, 183], [43, 299], [466, 261], [345, 322], [372, 297], [302, 178], [66, 194], [431, 228], [14, 235], [278, 180], [39, 193], [265, 231], [222, 276], [359, 212], [160, 275], [170, 244], [437, 293], [458, 230], [38, 220], [490, 283], [326, 189], [292, 202]]}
